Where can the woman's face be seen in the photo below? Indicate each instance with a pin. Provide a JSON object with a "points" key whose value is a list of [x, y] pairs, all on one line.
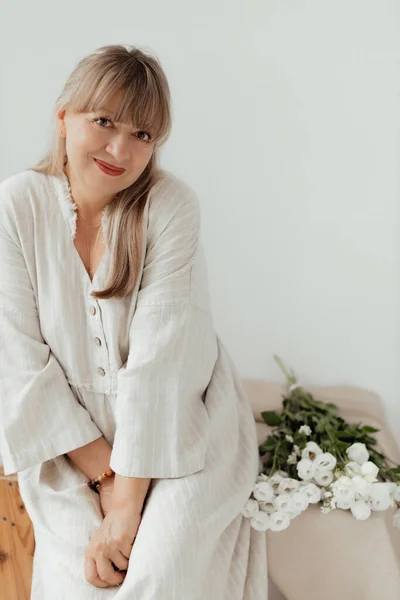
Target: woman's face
{"points": [[91, 136]]}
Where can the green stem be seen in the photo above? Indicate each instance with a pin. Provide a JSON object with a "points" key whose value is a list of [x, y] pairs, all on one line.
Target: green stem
{"points": [[275, 456], [290, 378], [328, 430]]}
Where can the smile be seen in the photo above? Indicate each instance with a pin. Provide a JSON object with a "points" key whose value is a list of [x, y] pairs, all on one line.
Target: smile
{"points": [[108, 169]]}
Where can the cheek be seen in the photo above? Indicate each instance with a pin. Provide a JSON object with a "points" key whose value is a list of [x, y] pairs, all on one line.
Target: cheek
{"points": [[89, 138], [147, 154]]}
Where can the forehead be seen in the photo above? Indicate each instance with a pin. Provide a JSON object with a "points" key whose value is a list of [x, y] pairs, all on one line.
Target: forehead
{"points": [[110, 108], [127, 109], [112, 105]]}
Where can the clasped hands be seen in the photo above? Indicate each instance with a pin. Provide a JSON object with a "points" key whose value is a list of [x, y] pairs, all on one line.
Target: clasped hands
{"points": [[112, 542]]}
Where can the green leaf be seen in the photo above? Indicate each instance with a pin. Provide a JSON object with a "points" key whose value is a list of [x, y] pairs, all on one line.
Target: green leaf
{"points": [[272, 418], [268, 445], [370, 429], [342, 445]]}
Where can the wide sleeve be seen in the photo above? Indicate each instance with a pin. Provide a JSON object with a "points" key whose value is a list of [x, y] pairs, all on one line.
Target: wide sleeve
{"points": [[162, 424], [40, 417]]}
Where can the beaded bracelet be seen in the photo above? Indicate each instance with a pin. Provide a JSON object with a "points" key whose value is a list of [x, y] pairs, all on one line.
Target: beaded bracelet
{"points": [[95, 484]]}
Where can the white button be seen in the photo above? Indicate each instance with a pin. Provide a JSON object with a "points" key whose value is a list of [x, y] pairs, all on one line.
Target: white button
{"points": [[92, 310], [101, 371], [98, 341]]}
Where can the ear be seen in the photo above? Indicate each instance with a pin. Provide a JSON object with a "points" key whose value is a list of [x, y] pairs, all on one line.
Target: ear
{"points": [[61, 122]]}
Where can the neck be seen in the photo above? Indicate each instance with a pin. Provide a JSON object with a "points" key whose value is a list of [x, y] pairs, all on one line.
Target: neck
{"points": [[89, 210]]}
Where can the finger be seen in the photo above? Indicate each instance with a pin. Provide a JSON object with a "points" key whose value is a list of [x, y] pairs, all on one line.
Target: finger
{"points": [[92, 575], [119, 560], [125, 547], [106, 571]]}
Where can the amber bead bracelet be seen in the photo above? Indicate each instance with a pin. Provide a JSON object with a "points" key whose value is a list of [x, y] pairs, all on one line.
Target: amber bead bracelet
{"points": [[95, 484]]}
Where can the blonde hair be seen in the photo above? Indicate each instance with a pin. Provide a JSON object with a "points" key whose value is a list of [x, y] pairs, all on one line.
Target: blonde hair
{"points": [[146, 104]]}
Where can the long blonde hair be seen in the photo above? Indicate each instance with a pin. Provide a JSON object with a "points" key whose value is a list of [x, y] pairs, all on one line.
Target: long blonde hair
{"points": [[146, 104]]}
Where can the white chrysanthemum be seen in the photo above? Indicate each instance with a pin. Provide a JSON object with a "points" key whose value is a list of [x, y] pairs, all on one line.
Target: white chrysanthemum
{"points": [[250, 508], [362, 487], [380, 497], [300, 501], [279, 521], [283, 474], [305, 469], [343, 480], [369, 471], [303, 483], [292, 459], [274, 482], [344, 493], [326, 460], [323, 477], [352, 468], [268, 507], [289, 438], [305, 429], [311, 451], [260, 521], [261, 477], [358, 452], [284, 503], [312, 492], [263, 491], [288, 485], [392, 487], [360, 510]]}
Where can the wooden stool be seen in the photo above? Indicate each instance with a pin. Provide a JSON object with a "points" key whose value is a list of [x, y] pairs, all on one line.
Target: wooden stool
{"points": [[17, 543]]}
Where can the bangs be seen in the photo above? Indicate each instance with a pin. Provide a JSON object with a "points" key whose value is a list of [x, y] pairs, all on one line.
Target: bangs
{"points": [[134, 91]]}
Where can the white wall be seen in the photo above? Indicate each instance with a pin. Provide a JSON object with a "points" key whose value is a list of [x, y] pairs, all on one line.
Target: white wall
{"points": [[286, 122]]}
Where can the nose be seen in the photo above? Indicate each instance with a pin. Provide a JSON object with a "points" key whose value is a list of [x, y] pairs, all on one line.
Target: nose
{"points": [[118, 147]]}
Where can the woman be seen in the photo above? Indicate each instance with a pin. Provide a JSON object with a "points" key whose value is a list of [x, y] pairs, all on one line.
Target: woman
{"points": [[110, 361]]}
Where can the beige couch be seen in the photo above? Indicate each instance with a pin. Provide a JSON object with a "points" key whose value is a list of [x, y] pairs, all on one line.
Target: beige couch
{"points": [[333, 556]]}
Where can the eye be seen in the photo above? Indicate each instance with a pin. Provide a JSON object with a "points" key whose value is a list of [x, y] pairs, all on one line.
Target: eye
{"points": [[145, 133], [102, 119], [109, 120]]}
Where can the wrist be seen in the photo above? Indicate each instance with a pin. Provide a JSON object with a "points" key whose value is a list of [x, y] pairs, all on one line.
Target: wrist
{"points": [[96, 483], [129, 493], [107, 484], [126, 504]]}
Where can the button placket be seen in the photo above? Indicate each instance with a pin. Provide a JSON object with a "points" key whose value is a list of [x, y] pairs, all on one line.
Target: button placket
{"points": [[93, 311]]}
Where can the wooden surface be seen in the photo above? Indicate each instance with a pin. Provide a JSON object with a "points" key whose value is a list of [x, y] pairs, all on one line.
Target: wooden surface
{"points": [[16, 542]]}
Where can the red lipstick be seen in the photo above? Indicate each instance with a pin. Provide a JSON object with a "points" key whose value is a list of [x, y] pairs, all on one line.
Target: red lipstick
{"points": [[108, 169]]}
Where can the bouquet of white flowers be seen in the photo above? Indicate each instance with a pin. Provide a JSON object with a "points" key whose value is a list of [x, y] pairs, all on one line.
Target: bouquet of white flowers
{"points": [[314, 456]]}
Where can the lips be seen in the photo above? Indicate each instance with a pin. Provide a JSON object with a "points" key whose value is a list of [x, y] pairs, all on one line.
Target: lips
{"points": [[110, 167]]}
